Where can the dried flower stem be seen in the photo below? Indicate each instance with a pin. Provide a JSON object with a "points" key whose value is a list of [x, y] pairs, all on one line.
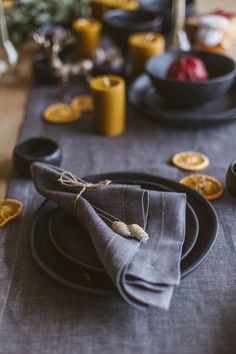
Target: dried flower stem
{"points": [[122, 228], [67, 179]]}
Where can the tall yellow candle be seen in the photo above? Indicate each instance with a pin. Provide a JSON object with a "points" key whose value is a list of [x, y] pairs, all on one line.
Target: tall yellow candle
{"points": [[99, 7], [126, 4], [88, 33], [143, 46], [109, 104]]}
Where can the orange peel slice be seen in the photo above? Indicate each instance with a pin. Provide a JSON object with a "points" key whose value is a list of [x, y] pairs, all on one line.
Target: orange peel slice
{"points": [[60, 113], [83, 103], [9, 210], [210, 187], [190, 160]]}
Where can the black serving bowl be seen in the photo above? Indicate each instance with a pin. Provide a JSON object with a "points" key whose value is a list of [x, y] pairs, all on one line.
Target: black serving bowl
{"points": [[221, 71], [36, 149], [231, 178], [164, 7], [119, 24]]}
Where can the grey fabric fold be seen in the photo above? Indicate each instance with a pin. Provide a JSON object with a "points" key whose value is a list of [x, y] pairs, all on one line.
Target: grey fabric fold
{"points": [[143, 272]]}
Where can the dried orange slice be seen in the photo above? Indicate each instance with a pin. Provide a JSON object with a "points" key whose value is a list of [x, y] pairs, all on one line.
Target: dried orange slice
{"points": [[9, 209], [190, 160], [59, 113], [83, 103], [210, 187]]}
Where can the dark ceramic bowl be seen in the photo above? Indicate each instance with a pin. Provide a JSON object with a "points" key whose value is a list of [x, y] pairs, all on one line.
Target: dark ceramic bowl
{"points": [[231, 178], [41, 70], [186, 93], [36, 149], [164, 7], [119, 24]]}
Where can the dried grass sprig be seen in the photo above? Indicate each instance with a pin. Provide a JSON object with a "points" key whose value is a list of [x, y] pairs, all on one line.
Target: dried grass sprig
{"points": [[67, 179]]}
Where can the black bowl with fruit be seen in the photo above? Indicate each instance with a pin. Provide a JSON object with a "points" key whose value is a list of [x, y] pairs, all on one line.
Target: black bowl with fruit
{"points": [[191, 78]]}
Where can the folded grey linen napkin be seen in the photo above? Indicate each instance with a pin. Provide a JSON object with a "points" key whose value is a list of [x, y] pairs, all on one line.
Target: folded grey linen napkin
{"points": [[143, 272]]}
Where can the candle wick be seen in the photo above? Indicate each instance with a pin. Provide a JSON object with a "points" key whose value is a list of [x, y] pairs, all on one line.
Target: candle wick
{"points": [[106, 81], [150, 37], [83, 21]]}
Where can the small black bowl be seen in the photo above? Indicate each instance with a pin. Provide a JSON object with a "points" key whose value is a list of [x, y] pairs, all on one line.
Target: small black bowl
{"points": [[231, 178], [164, 7], [221, 71], [119, 24], [36, 149], [41, 70]]}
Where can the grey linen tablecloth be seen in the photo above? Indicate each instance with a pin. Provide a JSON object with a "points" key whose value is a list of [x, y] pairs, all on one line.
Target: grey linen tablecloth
{"points": [[39, 316], [143, 272]]}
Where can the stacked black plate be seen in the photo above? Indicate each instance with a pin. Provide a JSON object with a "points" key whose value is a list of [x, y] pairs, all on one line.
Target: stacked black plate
{"points": [[146, 100], [63, 249]]}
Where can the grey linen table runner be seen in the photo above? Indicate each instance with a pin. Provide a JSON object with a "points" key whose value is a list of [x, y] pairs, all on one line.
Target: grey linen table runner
{"points": [[37, 315], [143, 272]]}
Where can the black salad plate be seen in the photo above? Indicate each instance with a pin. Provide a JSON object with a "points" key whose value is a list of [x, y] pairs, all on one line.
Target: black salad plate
{"points": [[144, 98], [73, 242], [61, 264]]}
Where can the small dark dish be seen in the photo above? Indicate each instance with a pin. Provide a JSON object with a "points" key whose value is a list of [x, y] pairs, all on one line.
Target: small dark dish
{"points": [[42, 71], [53, 33], [221, 71], [164, 7], [119, 24], [231, 178], [36, 149]]}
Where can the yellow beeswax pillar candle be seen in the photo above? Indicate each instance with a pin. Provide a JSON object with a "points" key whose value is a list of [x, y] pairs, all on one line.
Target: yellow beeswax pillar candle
{"points": [[126, 4], [109, 104], [143, 46], [99, 7], [88, 33]]}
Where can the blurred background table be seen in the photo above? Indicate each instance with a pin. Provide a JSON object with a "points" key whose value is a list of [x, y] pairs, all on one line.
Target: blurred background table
{"points": [[13, 98]]}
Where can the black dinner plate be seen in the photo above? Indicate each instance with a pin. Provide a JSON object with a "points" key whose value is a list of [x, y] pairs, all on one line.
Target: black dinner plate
{"points": [[73, 241], [206, 215], [58, 267], [144, 98], [79, 277]]}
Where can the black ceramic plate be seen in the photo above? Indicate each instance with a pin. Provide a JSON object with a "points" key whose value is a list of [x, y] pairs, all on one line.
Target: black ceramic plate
{"points": [[73, 242], [206, 215], [144, 98], [78, 277], [56, 265]]}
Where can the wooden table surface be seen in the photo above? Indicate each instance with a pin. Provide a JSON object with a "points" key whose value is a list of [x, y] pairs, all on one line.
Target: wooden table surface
{"points": [[13, 99]]}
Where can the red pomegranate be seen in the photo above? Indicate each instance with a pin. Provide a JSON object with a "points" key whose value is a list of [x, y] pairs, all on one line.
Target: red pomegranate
{"points": [[188, 68]]}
